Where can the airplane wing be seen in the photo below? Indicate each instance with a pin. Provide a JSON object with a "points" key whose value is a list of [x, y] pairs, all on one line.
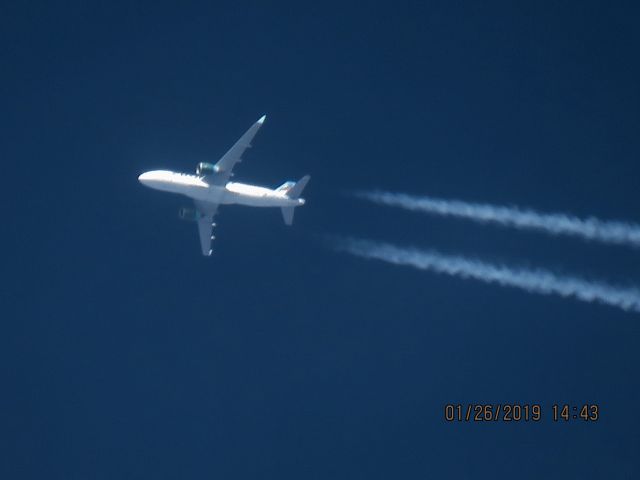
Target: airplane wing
{"points": [[205, 225], [225, 165]]}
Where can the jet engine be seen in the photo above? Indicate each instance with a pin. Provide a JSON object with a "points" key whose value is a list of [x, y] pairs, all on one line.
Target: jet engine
{"points": [[189, 214], [204, 168]]}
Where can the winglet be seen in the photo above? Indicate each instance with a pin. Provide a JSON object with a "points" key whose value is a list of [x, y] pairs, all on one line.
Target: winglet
{"points": [[262, 119]]}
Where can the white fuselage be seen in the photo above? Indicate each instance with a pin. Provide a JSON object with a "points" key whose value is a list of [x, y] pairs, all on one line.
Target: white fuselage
{"points": [[232, 193]]}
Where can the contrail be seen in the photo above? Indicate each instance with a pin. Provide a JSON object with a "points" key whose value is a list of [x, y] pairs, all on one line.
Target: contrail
{"points": [[613, 232], [534, 281]]}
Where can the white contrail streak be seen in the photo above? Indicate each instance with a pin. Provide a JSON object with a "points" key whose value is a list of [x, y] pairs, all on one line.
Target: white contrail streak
{"points": [[613, 232], [534, 281]]}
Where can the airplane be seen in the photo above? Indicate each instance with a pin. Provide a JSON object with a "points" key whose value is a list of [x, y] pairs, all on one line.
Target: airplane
{"points": [[210, 187]]}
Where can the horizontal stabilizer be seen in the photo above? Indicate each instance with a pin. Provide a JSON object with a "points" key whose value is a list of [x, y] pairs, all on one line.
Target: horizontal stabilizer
{"points": [[296, 190], [287, 214], [293, 190]]}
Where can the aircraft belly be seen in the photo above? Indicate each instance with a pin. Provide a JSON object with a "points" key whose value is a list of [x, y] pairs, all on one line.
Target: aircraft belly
{"points": [[244, 199], [224, 196], [211, 194], [257, 200]]}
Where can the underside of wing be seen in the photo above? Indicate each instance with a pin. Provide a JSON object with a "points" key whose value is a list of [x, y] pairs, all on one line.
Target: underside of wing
{"points": [[225, 165], [205, 225], [205, 229]]}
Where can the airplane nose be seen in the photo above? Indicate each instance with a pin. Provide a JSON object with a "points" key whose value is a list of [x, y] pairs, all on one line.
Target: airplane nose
{"points": [[148, 179], [158, 179]]}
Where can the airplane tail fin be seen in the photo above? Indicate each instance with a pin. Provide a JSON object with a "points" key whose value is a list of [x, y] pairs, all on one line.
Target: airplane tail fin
{"points": [[293, 190]]}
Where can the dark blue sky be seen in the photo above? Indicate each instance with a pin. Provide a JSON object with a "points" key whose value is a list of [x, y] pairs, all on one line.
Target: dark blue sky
{"points": [[125, 354]]}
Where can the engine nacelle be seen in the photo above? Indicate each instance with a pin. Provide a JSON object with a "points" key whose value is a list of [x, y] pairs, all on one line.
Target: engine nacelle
{"points": [[189, 214], [204, 168]]}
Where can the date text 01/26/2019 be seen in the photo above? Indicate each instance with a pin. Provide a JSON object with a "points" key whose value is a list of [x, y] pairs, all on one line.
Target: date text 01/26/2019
{"points": [[514, 412]]}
